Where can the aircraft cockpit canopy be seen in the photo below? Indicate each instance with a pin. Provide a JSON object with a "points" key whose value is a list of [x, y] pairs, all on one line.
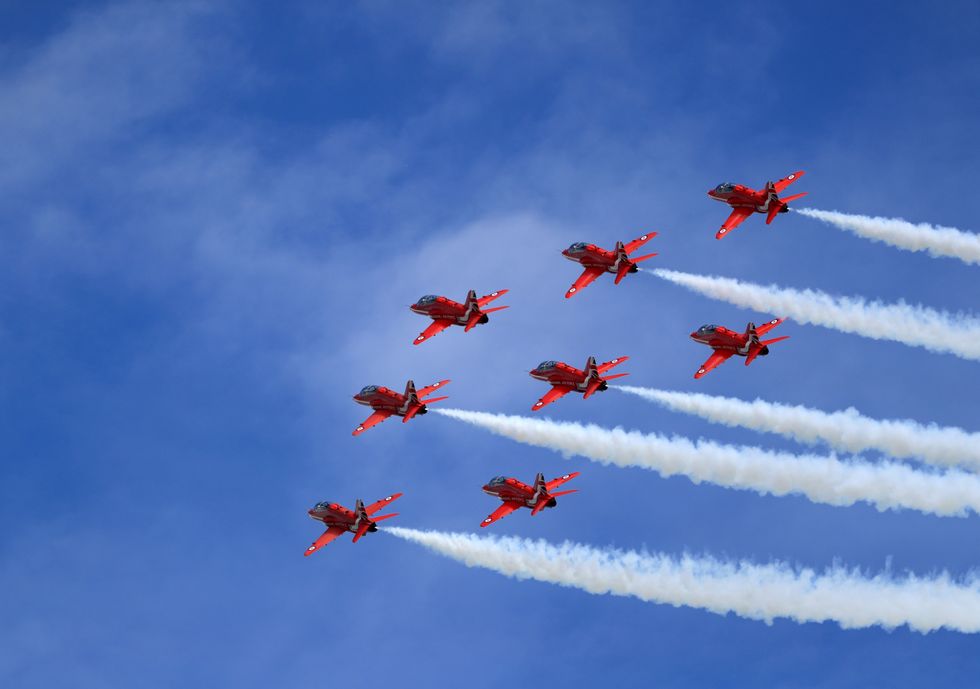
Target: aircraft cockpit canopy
{"points": [[704, 329], [497, 480], [725, 187], [545, 365], [428, 299], [367, 390], [577, 247], [321, 506]]}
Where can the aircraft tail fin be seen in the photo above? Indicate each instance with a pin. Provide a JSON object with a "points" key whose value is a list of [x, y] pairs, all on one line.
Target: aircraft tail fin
{"points": [[471, 305], [591, 370], [411, 394], [361, 519], [540, 487], [623, 262]]}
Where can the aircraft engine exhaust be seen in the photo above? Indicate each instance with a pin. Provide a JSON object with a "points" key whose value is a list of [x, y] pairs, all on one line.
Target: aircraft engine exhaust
{"points": [[754, 591], [821, 479], [846, 430], [943, 242]]}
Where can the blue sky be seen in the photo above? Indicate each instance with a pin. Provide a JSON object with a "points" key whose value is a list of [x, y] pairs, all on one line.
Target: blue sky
{"points": [[215, 218]]}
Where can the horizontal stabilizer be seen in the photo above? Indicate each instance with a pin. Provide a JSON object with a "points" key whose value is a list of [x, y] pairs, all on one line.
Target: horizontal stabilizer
{"points": [[385, 516], [794, 197], [642, 258], [616, 375], [765, 343], [433, 400], [495, 308], [564, 492]]}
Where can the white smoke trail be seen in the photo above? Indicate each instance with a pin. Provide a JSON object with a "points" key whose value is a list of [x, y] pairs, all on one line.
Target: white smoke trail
{"points": [[938, 241], [755, 591], [827, 480], [939, 331], [846, 430]]}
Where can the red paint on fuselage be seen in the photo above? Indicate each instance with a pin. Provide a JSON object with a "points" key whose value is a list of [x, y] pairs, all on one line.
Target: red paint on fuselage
{"points": [[381, 398], [333, 514], [719, 337], [592, 256], [740, 196], [510, 489], [560, 373]]}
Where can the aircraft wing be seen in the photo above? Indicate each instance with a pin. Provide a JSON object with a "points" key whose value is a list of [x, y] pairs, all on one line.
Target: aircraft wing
{"points": [[325, 538], [554, 394], [787, 180], [380, 504], [584, 280], [555, 482], [737, 217], [766, 327], [428, 389], [372, 421], [605, 366], [638, 242], [484, 300], [501, 512], [436, 327], [719, 356]]}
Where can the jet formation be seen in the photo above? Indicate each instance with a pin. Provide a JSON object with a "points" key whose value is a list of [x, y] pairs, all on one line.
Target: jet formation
{"points": [[563, 378]]}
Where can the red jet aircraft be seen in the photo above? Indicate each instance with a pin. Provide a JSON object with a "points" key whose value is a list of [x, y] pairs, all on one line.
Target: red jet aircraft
{"points": [[564, 378], [598, 261], [517, 495], [727, 343], [446, 312], [747, 201], [386, 402], [339, 519]]}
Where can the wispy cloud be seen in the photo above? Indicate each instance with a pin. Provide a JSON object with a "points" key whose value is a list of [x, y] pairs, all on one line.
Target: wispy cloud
{"points": [[754, 591], [909, 324], [847, 430], [936, 240], [826, 480]]}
